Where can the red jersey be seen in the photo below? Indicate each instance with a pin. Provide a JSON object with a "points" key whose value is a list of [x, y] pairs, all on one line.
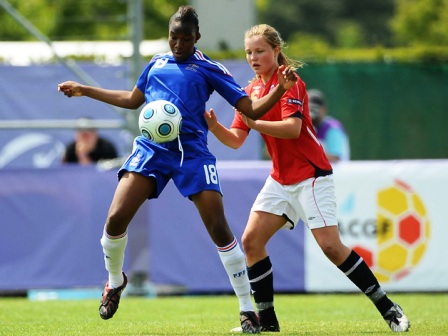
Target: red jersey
{"points": [[293, 160]]}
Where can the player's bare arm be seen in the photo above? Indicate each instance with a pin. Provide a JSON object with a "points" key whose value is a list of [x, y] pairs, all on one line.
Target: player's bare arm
{"points": [[232, 137], [121, 98], [288, 128], [211, 119], [256, 109]]}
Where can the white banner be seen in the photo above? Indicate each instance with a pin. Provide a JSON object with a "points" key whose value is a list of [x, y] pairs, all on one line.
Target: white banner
{"points": [[394, 214]]}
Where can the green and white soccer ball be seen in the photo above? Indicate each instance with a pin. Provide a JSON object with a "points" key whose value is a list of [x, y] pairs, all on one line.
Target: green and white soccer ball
{"points": [[160, 121]]}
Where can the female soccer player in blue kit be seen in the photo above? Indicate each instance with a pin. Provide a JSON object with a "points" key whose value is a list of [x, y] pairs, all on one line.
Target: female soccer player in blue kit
{"points": [[300, 185], [185, 77]]}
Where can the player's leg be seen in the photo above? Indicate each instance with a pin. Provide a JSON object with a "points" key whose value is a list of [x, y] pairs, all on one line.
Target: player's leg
{"points": [[319, 203], [260, 227], [271, 211], [211, 209], [356, 269], [132, 190]]}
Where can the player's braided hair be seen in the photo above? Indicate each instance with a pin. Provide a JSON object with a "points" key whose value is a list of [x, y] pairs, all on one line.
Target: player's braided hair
{"points": [[272, 36], [186, 15]]}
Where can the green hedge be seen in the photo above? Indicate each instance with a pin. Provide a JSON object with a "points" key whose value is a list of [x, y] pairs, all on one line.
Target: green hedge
{"points": [[390, 110]]}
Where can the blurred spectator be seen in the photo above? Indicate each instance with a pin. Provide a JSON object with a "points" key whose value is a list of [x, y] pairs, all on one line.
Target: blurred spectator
{"points": [[88, 147], [330, 131]]}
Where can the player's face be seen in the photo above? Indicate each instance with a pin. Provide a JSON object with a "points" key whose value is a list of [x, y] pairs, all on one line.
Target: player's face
{"points": [[261, 56], [182, 39]]}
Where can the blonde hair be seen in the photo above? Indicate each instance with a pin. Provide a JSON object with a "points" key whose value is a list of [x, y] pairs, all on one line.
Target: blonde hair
{"points": [[272, 36]]}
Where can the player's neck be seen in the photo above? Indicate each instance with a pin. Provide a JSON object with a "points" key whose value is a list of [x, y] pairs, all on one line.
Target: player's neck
{"points": [[266, 78]]}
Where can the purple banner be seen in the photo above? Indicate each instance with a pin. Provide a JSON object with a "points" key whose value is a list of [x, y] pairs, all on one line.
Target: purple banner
{"points": [[182, 252], [51, 224], [51, 221]]}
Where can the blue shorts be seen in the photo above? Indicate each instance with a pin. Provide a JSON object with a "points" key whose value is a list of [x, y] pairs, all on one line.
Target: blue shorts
{"points": [[192, 168]]}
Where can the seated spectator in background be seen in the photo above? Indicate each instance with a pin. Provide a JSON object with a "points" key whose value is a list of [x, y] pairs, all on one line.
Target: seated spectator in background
{"points": [[88, 147], [330, 131]]}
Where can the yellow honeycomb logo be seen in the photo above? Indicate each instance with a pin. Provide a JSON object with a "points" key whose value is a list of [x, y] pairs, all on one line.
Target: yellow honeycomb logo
{"points": [[402, 233]]}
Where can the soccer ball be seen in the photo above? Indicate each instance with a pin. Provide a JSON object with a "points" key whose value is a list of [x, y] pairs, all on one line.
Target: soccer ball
{"points": [[160, 121]]}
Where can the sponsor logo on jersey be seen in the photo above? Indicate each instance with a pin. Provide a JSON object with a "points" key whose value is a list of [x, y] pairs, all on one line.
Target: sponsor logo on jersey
{"points": [[192, 67], [295, 101], [136, 160]]}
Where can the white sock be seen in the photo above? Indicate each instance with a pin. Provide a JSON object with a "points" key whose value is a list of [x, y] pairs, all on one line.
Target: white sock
{"points": [[235, 264], [113, 249]]}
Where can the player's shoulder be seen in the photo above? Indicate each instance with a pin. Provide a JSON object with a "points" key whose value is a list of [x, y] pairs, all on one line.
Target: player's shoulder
{"points": [[209, 64], [162, 55], [160, 58], [300, 82]]}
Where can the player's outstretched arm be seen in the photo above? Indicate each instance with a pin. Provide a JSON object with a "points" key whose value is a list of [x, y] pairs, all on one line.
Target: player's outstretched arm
{"points": [[121, 98], [232, 137], [256, 109]]}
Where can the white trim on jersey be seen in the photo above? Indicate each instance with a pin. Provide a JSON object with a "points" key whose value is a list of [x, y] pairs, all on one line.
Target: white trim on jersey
{"points": [[200, 56], [312, 135]]}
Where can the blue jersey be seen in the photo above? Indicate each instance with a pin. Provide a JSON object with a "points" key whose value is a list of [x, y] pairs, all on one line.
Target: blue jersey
{"points": [[188, 85], [186, 160]]}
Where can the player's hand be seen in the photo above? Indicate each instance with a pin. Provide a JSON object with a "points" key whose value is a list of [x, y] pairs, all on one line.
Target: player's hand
{"points": [[70, 89], [286, 77], [248, 121], [210, 118]]}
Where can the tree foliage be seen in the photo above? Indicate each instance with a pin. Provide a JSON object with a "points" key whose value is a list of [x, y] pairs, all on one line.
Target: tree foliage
{"points": [[339, 23], [83, 20], [421, 22], [321, 24]]}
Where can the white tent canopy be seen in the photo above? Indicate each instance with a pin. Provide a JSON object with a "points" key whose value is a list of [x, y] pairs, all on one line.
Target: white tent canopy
{"points": [[109, 52]]}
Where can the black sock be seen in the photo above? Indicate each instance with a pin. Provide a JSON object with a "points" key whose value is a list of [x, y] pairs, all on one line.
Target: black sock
{"points": [[356, 269], [262, 283], [268, 318]]}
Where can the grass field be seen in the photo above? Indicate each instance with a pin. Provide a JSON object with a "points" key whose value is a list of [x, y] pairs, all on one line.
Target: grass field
{"points": [[312, 314]]}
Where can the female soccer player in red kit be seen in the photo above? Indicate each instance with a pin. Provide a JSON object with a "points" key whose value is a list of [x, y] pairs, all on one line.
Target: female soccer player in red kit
{"points": [[300, 185]]}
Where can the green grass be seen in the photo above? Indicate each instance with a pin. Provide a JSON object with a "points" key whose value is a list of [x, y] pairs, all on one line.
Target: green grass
{"points": [[326, 314]]}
